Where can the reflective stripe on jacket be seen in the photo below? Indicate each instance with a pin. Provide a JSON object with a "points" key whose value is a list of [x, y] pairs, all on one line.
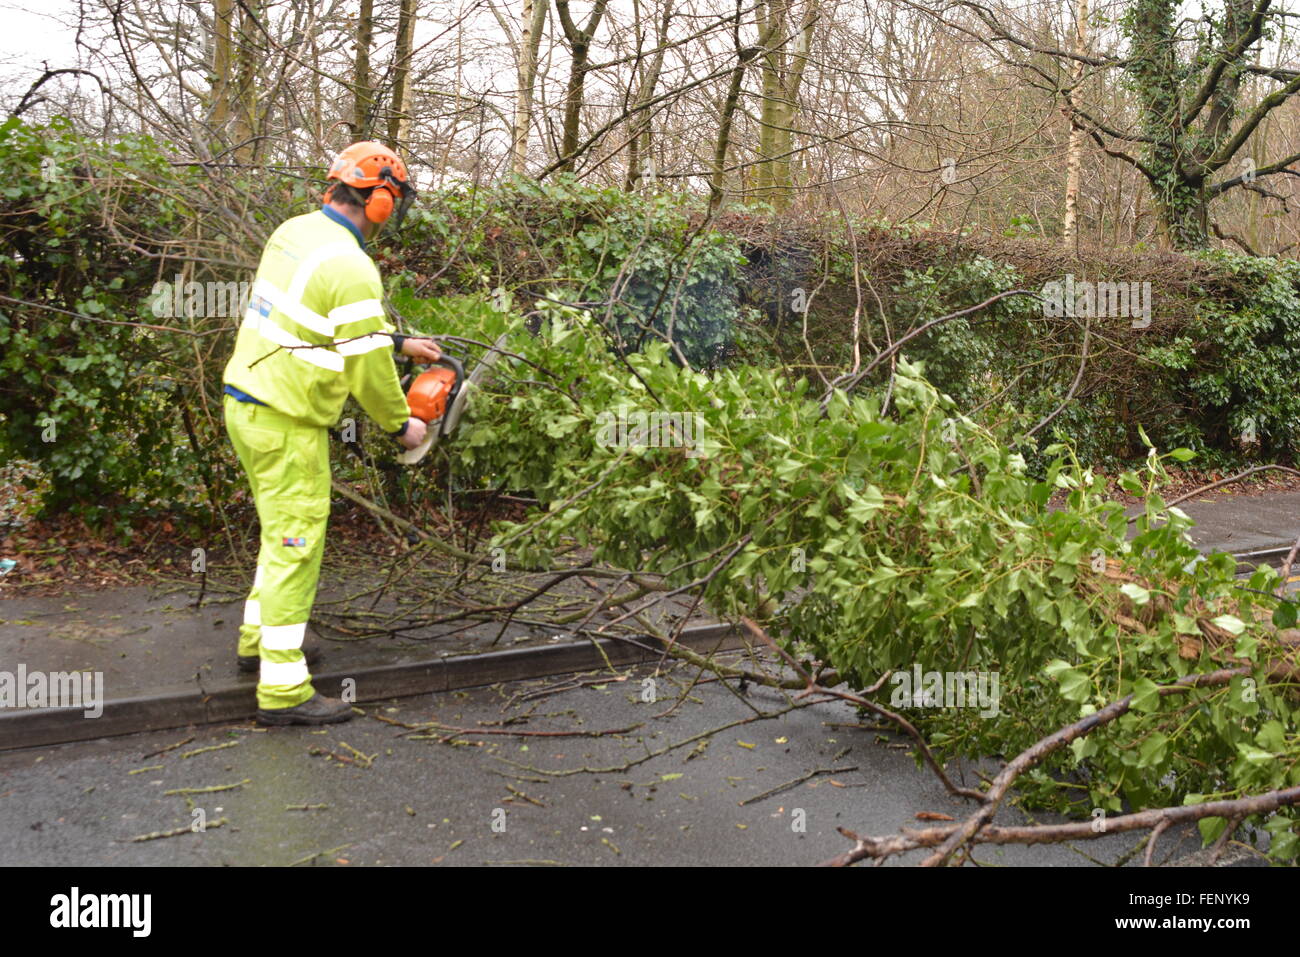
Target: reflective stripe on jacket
{"points": [[315, 329]]}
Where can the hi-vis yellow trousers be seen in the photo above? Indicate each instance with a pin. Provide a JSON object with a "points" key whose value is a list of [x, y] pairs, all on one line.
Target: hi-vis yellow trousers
{"points": [[288, 467]]}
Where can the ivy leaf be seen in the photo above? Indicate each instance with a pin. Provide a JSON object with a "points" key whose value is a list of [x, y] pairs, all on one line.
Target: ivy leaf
{"points": [[1055, 667], [1272, 737], [1211, 828], [1129, 482], [1146, 696], [1137, 593], [1284, 615], [882, 574], [1075, 685], [1254, 755], [1152, 752], [865, 503], [1231, 624]]}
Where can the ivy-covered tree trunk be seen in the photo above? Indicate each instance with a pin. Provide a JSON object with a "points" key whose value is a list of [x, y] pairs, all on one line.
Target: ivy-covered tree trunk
{"points": [[1154, 73], [1188, 108], [219, 108], [248, 65], [1182, 208], [782, 77]]}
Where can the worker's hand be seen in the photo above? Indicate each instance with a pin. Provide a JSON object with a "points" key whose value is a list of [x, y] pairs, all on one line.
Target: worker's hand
{"points": [[422, 351], [414, 434]]}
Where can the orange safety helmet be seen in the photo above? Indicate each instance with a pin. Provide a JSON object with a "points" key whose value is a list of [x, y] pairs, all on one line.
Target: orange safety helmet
{"points": [[373, 166]]}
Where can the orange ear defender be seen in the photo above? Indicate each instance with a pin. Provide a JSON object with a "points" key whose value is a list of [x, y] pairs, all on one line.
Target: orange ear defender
{"points": [[380, 204]]}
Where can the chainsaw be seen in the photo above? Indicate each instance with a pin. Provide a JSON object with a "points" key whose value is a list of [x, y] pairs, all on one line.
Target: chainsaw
{"points": [[439, 395]]}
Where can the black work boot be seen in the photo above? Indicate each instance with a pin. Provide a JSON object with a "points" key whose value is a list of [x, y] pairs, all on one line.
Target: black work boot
{"points": [[249, 664], [317, 709]]}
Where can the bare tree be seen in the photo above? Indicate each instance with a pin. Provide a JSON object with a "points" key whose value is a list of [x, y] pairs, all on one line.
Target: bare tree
{"points": [[1069, 225], [363, 94], [782, 76], [579, 41], [399, 119]]}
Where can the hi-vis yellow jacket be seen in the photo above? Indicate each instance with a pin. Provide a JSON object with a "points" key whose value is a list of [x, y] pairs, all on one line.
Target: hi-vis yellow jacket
{"points": [[317, 295]]}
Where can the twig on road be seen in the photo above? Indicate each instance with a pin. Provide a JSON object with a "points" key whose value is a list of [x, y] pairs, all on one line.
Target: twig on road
{"points": [[795, 783], [170, 747], [178, 831], [212, 790]]}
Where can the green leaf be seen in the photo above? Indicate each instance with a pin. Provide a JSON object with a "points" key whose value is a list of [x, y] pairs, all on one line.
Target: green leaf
{"points": [[1146, 695], [1211, 828], [1055, 667], [1075, 685], [866, 503], [1231, 624], [1137, 593], [1254, 755], [1285, 614], [1152, 752]]}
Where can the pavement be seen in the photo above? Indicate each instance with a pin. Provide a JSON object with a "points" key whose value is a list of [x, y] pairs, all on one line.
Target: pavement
{"points": [[163, 659], [1245, 524]]}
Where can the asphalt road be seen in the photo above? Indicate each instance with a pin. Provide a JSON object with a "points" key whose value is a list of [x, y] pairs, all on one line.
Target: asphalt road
{"points": [[371, 792]]}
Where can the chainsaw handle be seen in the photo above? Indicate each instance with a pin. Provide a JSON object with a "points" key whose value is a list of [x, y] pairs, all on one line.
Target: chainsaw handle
{"points": [[452, 363]]}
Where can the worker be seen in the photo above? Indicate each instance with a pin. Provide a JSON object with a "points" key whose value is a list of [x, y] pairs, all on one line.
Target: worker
{"points": [[314, 331]]}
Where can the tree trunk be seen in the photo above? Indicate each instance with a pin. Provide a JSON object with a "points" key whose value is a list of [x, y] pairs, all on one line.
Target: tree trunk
{"points": [[532, 21], [780, 100], [399, 117], [247, 66], [772, 24], [223, 12], [716, 181], [1074, 157], [580, 47], [1178, 195], [362, 94], [639, 141]]}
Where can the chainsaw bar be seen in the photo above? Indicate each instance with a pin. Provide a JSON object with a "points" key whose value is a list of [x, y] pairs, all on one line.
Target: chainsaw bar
{"points": [[450, 418]]}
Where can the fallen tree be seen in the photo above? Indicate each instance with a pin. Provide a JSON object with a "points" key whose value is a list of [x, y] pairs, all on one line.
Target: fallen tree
{"points": [[881, 542]]}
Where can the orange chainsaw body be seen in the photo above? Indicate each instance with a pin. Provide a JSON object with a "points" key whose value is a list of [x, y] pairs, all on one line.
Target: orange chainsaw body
{"points": [[432, 391]]}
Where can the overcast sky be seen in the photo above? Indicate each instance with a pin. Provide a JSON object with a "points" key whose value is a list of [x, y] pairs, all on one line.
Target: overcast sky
{"points": [[27, 37]]}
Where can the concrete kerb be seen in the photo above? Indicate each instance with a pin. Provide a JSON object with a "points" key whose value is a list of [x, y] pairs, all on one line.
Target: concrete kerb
{"points": [[233, 700]]}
